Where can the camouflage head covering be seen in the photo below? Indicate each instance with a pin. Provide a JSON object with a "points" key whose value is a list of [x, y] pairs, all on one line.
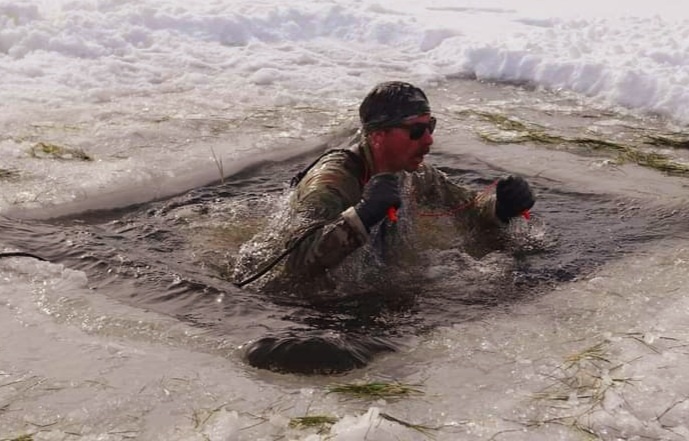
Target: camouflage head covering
{"points": [[390, 103]]}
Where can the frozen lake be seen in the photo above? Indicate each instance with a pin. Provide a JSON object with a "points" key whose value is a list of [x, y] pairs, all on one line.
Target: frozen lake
{"points": [[131, 332], [143, 142]]}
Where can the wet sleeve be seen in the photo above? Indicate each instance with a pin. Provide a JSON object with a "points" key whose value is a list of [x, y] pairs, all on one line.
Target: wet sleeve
{"points": [[333, 228], [328, 245], [433, 188]]}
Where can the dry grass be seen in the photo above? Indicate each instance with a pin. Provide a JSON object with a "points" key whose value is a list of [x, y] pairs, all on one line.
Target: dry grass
{"points": [[582, 381], [27, 437], [321, 423], [676, 141], [423, 429], [219, 165], [8, 174], [513, 131], [54, 151], [375, 390], [201, 416]]}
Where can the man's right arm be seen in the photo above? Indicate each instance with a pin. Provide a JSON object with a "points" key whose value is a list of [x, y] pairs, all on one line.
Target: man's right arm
{"points": [[335, 214], [328, 245], [323, 206]]}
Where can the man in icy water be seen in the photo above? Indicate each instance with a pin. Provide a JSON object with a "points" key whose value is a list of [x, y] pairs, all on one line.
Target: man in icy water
{"points": [[349, 198]]}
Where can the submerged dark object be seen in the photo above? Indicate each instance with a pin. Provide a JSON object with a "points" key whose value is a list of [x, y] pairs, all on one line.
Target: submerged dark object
{"points": [[315, 353], [21, 254]]}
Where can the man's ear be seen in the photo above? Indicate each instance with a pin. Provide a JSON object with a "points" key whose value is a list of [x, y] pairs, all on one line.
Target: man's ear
{"points": [[375, 138]]}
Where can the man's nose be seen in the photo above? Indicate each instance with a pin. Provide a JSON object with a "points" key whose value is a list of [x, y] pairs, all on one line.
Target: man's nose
{"points": [[425, 143]]}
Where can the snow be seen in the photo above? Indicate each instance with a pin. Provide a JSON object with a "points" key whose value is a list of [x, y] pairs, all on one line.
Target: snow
{"points": [[63, 52]]}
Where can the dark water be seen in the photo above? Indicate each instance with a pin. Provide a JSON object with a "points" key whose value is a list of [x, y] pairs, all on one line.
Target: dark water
{"points": [[174, 256]]}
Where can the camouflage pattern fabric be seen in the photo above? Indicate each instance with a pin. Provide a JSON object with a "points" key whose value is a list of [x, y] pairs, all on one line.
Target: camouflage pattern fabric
{"points": [[326, 196]]}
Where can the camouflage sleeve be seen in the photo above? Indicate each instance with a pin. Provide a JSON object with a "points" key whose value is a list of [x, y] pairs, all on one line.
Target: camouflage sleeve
{"points": [[323, 204], [432, 187]]}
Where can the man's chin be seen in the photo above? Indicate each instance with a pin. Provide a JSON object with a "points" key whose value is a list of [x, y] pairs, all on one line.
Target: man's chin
{"points": [[414, 165]]}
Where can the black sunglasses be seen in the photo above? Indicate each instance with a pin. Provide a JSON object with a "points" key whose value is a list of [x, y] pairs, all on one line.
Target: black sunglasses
{"points": [[417, 130]]}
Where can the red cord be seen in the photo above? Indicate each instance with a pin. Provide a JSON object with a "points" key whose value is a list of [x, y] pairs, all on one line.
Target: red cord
{"points": [[392, 214], [461, 207], [392, 211]]}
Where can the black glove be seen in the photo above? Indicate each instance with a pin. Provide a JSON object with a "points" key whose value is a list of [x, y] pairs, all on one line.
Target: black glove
{"points": [[381, 193], [513, 196]]}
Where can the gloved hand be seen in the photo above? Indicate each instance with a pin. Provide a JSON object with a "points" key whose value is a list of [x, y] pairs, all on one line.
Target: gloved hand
{"points": [[380, 193], [513, 196]]}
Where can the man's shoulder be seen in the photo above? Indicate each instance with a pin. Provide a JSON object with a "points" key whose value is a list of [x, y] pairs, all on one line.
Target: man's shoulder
{"points": [[334, 181], [341, 157], [335, 166]]}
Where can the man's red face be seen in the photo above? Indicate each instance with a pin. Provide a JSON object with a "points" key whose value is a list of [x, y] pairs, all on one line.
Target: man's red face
{"points": [[397, 150]]}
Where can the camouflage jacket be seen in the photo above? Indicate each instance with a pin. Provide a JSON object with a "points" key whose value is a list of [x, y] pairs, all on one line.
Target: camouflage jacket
{"points": [[325, 197]]}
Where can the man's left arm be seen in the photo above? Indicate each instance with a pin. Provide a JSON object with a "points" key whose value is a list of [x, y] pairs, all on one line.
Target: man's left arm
{"points": [[511, 197], [432, 188]]}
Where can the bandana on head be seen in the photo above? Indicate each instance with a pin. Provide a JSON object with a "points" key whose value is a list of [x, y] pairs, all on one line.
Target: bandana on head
{"points": [[390, 103]]}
